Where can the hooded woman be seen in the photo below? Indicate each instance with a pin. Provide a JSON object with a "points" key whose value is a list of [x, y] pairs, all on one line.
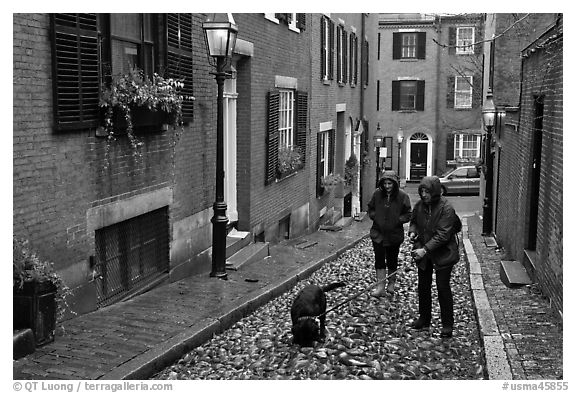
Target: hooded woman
{"points": [[433, 229], [389, 208]]}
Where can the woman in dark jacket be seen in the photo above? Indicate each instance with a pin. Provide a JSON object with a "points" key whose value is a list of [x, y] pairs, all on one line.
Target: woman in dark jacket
{"points": [[389, 208], [433, 228]]}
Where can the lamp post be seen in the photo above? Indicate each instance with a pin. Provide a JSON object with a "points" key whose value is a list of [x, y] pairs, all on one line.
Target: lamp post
{"points": [[399, 138], [488, 117], [220, 33], [378, 143]]}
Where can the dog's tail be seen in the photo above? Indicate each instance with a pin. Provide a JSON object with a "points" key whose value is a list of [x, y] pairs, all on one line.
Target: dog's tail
{"points": [[332, 286]]}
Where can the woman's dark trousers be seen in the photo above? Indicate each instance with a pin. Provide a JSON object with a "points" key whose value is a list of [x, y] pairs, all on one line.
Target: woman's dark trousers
{"points": [[444, 294]]}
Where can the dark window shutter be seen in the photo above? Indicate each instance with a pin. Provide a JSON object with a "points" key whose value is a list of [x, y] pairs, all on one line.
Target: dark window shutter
{"points": [[396, 46], [301, 122], [179, 56], [450, 146], [477, 91], [323, 27], [395, 95], [76, 79], [451, 40], [450, 88], [355, 60], [420, 95], [338, 53], [421, 46], [478, 36], [330, 49], [272, 136], [301, 21], [351, 66], [319, 188], [345, 56], [331, 151], [377, 95], [366, 64]]}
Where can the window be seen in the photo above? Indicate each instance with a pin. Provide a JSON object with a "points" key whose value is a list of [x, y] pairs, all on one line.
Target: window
{"points": [[87, 47], [296, 22], [132, 43], [467, 146], [353, 59], [324, 158], [342, 54], [408, 95], [287, 125], [463, 92], [409, 45], [464, 40], [286, 118], [327, 51], [388, 157]]}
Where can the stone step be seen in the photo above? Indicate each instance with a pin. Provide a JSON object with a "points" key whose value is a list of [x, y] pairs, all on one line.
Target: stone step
{"points": [[250, 253], [344, 221], [237, 240], [23, 343], [512, 273]]}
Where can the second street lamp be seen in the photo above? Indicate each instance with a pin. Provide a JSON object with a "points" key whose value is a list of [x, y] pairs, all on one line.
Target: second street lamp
{"points": [[378, 143], [400, 138], [488, 117], [220, 33]]}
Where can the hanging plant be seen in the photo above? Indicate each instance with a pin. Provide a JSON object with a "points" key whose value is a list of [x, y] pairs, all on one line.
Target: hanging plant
{"points": [[329, 182], [135, 91], [289, 160]]}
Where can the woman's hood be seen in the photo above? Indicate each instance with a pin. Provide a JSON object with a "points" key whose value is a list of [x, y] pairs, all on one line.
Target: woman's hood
{"points": [[389, 175], [432, 184]]}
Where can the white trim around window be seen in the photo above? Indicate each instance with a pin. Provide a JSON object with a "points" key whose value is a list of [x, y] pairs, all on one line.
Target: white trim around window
{"points": [[271, 18], [467, 146], [464, 36]]}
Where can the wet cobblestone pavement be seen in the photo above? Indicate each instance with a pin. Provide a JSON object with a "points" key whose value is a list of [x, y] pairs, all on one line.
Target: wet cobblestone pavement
{"points": [[367, 338]]}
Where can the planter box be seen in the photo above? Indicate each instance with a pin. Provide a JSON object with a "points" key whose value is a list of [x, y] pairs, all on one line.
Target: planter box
{"points": [[143, 120], [35, 308]]}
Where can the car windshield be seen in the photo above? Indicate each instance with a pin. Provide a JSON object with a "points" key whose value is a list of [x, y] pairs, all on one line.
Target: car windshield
{"points": [[447, 172]]}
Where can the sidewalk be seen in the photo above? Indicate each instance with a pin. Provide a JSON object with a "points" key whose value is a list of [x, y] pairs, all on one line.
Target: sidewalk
{"points": [[136, 338]]}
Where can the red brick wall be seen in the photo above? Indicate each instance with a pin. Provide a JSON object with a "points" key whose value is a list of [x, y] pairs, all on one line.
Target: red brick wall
{"points": [[58, 176], [542, 75]]}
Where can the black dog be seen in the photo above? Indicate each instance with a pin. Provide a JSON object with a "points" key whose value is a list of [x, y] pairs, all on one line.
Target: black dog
{"points": [[309, 305]]}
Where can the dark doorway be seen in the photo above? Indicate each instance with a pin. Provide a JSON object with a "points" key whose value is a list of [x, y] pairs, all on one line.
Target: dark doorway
{"points": [[418, 160], [534, 190], [348, 205]]}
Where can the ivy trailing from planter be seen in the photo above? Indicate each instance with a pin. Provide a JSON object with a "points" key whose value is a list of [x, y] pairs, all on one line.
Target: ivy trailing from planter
{"points": [[134, 92], [289, 161]]}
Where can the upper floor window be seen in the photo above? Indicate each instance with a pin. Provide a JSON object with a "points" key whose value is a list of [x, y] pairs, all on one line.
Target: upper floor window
{"points": [[132, 43], [327, 48], [286, 118], [464, 40], [463, 92], [409, 45], [295, 21], [408, 95], [89, 46]]}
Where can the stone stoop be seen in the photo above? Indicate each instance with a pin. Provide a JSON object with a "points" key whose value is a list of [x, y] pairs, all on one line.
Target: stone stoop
{"points": [[248, 254], [236, 240], [338, 225], [513, 274]]}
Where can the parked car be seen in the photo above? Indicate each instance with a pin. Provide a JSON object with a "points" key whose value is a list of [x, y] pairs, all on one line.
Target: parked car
{"points": [[461, 180]]}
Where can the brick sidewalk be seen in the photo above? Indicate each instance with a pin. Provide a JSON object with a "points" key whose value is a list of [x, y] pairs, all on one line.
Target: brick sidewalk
{"points": [[532, 334]]}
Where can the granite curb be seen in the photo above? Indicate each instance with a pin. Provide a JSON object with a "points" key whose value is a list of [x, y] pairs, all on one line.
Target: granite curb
{"points": [[497, 365]]}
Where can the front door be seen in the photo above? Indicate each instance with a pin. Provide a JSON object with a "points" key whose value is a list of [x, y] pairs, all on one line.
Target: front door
{"points": [[418, 160]]}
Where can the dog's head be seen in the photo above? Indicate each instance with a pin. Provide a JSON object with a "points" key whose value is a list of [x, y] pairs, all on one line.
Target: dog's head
{"points": [[306, 330]]}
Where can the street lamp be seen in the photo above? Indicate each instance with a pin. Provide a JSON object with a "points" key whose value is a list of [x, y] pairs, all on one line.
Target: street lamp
{"points": [[220, 33], [378, 143], [399, 138], [488, 118]]}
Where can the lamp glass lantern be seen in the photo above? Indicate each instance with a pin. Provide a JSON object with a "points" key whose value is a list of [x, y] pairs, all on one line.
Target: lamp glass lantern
{"points": [[400, 136], [378, 141], [489, 111], [220, 32]]}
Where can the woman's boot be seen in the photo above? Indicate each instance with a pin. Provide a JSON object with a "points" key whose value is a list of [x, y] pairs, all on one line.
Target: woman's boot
{"points": [[391, 282], [381, 286]]}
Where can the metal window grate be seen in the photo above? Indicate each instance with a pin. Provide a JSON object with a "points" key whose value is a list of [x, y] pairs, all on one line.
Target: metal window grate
{"points": [[130, 254]]}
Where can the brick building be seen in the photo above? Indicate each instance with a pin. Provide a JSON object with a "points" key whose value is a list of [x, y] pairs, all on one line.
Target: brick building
{"points": [[525, 70], [429, 91], [116, 221]]}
